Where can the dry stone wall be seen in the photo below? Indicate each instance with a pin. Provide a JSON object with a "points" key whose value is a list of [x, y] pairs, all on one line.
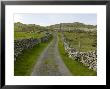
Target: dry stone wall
{"points": [[89, 59], [20, 45]]}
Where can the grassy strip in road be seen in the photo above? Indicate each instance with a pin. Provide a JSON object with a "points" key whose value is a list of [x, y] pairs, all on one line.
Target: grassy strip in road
{"points": [[76, 68], [24, 64]]}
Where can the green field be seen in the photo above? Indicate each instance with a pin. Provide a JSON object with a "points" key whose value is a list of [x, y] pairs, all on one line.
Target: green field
{"points": [[76, 68], [25, 35], [82, 41], [25, 31]]}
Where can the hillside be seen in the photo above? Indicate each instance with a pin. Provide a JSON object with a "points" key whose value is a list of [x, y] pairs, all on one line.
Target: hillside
{"points": [[22, 31], [28, 27], [73, 26]]}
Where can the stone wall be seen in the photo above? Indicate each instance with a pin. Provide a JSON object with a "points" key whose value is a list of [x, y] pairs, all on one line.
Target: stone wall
{"points": [[89, 59], [20, 45]]}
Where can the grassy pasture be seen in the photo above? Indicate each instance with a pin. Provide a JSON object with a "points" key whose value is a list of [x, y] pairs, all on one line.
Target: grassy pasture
{"points": [[82, 41], [25, 31], [26, 35]]}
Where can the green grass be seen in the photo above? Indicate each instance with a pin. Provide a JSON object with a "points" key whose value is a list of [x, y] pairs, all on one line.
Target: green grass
{"points": [[86, 40], [76, 68], [24, 64], [25, 35]]}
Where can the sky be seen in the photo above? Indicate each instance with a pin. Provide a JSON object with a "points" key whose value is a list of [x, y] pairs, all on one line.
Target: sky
{"points": [[50, 19]]}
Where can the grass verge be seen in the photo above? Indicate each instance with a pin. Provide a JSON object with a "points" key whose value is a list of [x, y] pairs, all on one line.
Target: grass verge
{"points": [[24, 64], [76, 68]]}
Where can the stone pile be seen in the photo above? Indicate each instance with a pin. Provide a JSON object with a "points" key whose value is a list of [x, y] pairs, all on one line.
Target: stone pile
{"points": [[20, 45], [89, 59]]}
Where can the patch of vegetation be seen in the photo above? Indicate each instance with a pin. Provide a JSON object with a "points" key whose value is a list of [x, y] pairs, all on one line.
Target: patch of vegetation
{"points": [[25, 31], [25, 35], [82, 41], [28, 27], [24, 63], [75, 67]]}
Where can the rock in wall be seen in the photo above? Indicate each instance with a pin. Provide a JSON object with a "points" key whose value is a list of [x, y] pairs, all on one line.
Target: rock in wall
{"points": [[89, 59]]}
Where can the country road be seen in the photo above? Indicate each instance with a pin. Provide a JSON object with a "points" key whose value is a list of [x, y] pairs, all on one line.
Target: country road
{"points": [[50, 63]]}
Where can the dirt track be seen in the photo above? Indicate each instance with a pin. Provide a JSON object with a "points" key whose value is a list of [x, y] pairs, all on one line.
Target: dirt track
{"points": [[50, 63]]}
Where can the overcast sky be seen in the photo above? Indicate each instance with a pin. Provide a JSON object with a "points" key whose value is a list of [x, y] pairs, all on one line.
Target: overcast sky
{"points": [[49, 19]]}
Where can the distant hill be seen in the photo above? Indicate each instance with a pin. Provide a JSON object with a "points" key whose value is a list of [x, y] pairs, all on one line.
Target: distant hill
{"points": [[28, 27], [62, 26], [73, 26]]}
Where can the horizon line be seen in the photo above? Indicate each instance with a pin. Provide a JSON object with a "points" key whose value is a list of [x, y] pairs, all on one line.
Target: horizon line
{"points": [[56, 23]]}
